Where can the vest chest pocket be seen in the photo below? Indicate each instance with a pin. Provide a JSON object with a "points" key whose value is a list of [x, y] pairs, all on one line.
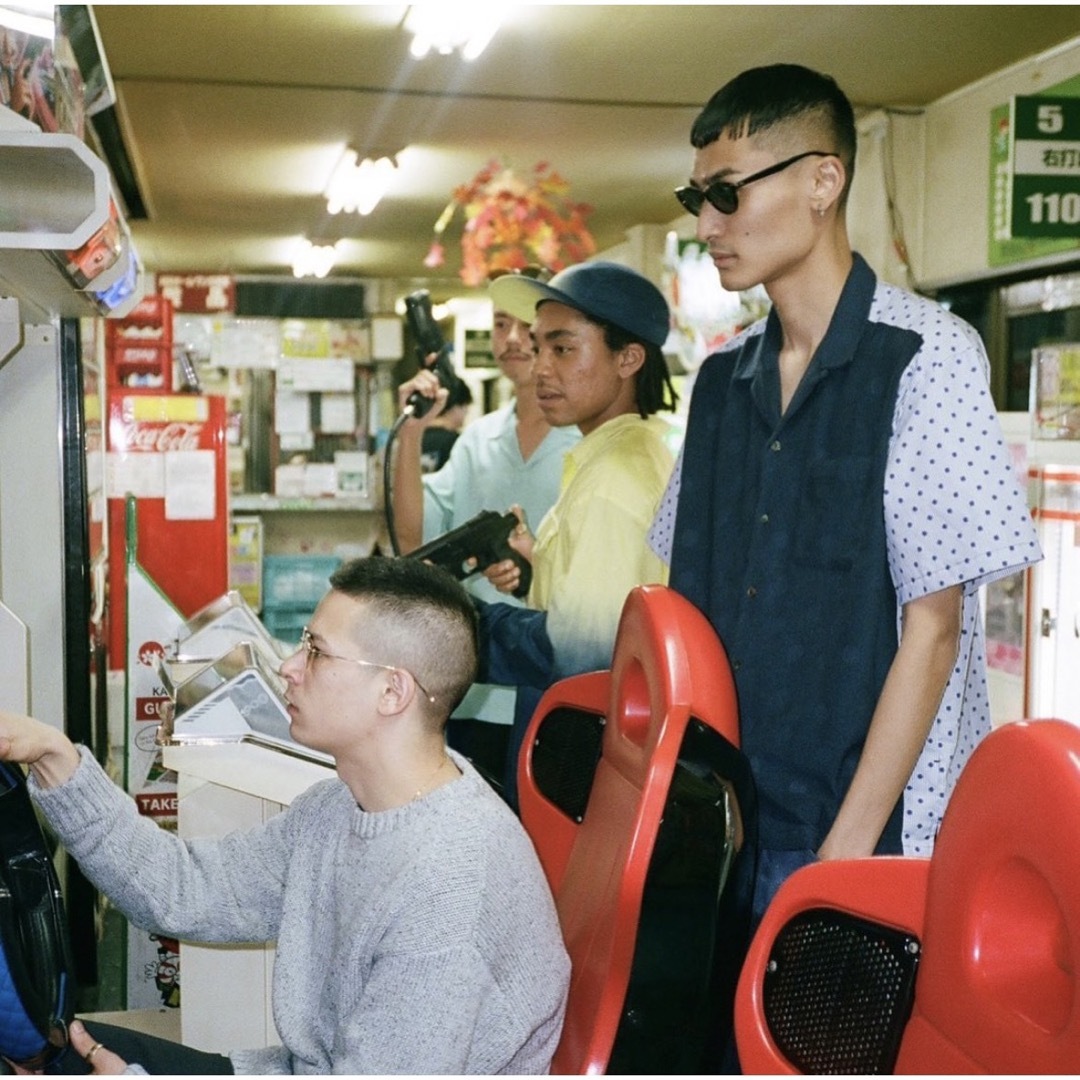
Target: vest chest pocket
{"points": [[836, 515]]}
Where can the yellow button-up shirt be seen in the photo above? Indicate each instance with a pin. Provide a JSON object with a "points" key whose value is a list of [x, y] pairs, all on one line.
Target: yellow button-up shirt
{"points": [[590, 548]]}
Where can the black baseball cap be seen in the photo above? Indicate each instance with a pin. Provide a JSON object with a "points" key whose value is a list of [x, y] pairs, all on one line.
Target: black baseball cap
{"points": [[603, 290]]}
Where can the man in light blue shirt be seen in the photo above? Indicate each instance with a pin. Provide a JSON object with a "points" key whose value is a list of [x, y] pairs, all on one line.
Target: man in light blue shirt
{"points": [[508, 457]]}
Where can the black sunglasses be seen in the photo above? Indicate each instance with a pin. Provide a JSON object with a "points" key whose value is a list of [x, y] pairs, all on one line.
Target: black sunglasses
{"points": [[724, 195]]}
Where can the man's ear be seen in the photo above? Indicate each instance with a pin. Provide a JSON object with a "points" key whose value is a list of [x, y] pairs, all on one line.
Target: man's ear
{"points": [[829, 179], [398, 690], [631, 360]]}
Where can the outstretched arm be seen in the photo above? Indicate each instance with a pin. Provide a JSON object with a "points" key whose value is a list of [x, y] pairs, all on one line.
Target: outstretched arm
{"points": [[905, 711], [408, 488], [227, 890]]}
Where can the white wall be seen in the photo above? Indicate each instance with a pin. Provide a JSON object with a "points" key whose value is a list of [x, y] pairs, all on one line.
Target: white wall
{"points": [[951, 242], [932, 165], [885, 203]]}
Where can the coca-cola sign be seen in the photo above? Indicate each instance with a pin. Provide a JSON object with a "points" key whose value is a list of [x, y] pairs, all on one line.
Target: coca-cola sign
{"points": [[161, 438]]}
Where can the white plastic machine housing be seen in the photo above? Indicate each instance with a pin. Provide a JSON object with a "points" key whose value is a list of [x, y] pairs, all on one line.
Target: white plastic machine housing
{"points": [[223, 683]]}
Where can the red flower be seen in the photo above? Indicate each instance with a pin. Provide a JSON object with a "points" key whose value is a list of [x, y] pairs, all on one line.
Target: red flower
{"points": [[511, 223], [436, 256]]}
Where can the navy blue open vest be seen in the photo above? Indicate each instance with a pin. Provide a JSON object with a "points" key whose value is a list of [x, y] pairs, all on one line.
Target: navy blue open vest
{"points": [[780, 540]]}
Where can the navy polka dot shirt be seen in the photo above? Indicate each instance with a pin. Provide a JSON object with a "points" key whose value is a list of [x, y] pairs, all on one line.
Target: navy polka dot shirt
{"points": [[954, 515]]}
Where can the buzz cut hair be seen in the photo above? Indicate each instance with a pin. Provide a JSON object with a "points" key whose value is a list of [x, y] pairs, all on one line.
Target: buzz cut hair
{"points": [[424, 620], [778, 97]]}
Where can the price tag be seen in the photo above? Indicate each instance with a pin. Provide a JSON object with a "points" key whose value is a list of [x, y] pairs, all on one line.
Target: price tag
{"points": [[1046, 167]]}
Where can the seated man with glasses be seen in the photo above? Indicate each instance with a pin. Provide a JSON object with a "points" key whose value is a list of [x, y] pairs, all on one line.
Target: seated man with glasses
{"points": [[843, 491], [415, 929]]}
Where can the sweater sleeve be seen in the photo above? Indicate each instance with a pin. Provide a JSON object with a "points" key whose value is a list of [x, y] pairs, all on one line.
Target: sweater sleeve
{"points": [[226, 890]]}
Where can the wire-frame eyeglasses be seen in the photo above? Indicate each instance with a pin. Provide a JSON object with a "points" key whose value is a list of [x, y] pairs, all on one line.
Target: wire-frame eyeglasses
{"points": [[313, 652]]}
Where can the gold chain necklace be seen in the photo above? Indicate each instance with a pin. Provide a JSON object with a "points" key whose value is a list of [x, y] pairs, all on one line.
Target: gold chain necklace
{"points": [[438, 769]]}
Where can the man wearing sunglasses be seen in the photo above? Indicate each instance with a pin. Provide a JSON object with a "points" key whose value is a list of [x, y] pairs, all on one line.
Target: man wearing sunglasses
{"points": [[842, 492], [415, 930]]}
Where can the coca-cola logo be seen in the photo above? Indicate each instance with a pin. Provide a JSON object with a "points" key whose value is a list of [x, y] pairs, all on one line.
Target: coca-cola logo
{"points": [[162, 437]]}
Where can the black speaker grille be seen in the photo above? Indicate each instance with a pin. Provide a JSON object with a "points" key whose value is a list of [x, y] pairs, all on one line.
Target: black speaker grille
{"points": [[838, 992], [565, 756]]}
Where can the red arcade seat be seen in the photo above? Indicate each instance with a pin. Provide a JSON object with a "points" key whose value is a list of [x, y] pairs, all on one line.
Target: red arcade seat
{"points": [[642, 811], [967, 962]]}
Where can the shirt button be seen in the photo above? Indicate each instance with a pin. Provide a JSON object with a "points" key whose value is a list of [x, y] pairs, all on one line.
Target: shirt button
{"points": [[775, 445], [764, 519], [736, 664], [751, 592]]}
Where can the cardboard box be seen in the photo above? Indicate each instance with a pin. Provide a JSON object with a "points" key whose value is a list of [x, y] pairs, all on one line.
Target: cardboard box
{"points": [[319, 479], [352, 472], [289, 481]]}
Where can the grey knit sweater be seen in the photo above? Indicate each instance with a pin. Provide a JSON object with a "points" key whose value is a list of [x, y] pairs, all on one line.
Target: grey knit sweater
{"points": [[417, 940]]}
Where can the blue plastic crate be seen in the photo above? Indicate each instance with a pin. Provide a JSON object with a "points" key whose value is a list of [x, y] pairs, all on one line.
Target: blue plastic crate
{"points": [[286, 626], [296, 582]]}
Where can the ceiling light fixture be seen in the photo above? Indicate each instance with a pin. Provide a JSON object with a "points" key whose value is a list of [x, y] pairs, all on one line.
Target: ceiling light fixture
{"points": [[357, 188], [314, 260], [446, 27]]}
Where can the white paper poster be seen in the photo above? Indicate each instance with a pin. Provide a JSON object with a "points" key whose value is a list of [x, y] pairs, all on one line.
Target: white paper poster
{"points": [[190, 485], [153, 973]]}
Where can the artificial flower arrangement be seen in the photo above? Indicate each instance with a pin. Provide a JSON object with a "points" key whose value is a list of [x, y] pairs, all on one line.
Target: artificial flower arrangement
{"points": [[511, 223]]}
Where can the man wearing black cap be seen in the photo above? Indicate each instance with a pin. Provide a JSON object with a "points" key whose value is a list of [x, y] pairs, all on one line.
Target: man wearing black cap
{"points": [[598, 331]]}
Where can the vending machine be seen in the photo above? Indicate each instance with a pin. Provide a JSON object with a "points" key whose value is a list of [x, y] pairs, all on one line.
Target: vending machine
{"points": [[168, 451]]}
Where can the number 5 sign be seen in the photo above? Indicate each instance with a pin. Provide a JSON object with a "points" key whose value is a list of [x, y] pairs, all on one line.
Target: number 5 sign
{"points": [[1045, 167]]}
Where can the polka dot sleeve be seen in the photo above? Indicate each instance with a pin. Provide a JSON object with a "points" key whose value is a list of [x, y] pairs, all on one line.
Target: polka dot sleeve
{"points": [[954, 510], [662, 532]]}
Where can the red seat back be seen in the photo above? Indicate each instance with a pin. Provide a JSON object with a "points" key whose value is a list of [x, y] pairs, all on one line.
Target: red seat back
{"points": [[991, 924], [668, 672], [998, 989]]}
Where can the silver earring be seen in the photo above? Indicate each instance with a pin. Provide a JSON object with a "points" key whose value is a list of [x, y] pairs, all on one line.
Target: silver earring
{"points": [[821, 211]]}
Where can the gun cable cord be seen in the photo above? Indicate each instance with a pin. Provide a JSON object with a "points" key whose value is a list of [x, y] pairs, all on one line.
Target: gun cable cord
{"points": [[36, 985], [388, 481]]}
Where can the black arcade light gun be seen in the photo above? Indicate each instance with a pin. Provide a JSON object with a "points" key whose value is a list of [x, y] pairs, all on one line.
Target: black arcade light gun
{"points": [[485, 538]]}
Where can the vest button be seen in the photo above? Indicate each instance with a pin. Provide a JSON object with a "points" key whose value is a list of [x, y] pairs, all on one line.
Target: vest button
{"points": [[751, 592], [775, 445], [764, 519]]}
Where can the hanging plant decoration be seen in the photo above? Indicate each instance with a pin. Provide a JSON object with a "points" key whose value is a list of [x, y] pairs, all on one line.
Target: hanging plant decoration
{"points": [[511, 223]]}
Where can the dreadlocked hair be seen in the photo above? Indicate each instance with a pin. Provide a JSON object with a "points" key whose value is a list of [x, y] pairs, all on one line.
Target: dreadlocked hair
{"points": [[653, 389]]}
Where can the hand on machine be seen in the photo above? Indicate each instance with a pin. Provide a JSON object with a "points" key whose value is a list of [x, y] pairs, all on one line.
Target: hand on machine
{"points": [[481, 542]]}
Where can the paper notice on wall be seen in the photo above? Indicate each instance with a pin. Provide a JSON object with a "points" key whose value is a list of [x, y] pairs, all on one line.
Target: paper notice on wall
{"points": [[190, 485], [337, 414], [139, 474], [292, 412], [314, 375]]}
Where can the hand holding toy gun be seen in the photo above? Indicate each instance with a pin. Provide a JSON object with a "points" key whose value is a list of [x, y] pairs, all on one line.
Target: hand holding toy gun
{"points": [[481, 541], [429, 342]]}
